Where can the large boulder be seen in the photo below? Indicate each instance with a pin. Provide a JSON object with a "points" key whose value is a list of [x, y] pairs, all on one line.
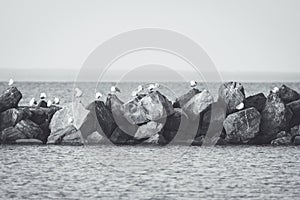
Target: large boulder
{"points": [[72, 139], [195, 106], [287, 94], [150, 107], [41, 115], [242, 126], [179, 120], [283, 138], [232, 94], [295, 108], [113, 103], [148, 130], [256, 101], [119, 137], [57, 136], [11, 117], [276, 117], [10, 99], [180, 101], [25, 129]]}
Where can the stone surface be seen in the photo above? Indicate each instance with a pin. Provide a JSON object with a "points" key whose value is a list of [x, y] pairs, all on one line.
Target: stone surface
{"points": [[148, 130], [57, 136], [28, 142], [182, 100], [11, 117], [256, 101], [295, 108], [232, 94], [282, 141], [297, 140], [177, 121], [198, 104], [41, 115], [242, 126], [275, 118], [113, 103], [25, 129], [287, 94], [10, 99], [72, 139], [151, 107], [95, 138], [119, 137]]}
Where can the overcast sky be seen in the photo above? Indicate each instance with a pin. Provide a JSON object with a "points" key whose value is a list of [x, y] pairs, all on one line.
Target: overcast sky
{"points": [[50, 39]]}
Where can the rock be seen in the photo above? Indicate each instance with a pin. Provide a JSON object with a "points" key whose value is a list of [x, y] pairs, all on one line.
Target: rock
{"points": [[211, 121], [242, 126], [154, 139], [232, 94], [256, 101], [105, 118], [295, 131], [11, 117], [59, 120], [287, 94], [119, 137], [198, 104], [181, 101], [275, 118], [28, 142], [10, 99], [148, 130], [57, 136], [25, 129], [297, 140], [295, 108], [41, 115], [72, 139], [95, 138], [113, 103], [282, 141], [150, 107], [179, 120]]}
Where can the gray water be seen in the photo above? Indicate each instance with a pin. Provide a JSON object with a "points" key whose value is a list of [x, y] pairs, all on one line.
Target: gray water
{"points": [[142, 172]]}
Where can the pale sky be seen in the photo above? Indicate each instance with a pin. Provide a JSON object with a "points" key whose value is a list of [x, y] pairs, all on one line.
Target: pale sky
{"points": [[49, 40]]}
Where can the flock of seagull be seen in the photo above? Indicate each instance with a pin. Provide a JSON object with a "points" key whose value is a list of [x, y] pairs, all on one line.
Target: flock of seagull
{"points": [[114, 89]]}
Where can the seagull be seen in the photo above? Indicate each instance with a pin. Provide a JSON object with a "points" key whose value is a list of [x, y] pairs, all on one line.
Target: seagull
{"points": [[10, 82], [32, 102], [153, 86], [49, 103], [43, 95], [193, 84], [114, 89], [98, 95], [240, 106], [134, 93], [56, 101], [78, 92], [70, 120], [275, 90]]}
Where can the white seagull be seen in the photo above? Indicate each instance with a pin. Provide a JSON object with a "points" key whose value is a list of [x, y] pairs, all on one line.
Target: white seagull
{"points": [[98, 95], [78, 92], [275, 90], [70, 120], [56, 101], [193, 83], [114, 89], [10, 82], [32, 102], [43, 95], [49, 103]]}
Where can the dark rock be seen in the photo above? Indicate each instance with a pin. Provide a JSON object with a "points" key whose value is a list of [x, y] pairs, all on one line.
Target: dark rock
{"points": [[275, 118], [152, 107], [28, 142], [242, 126], [10, 99], [105, 118], [295, 131], [232, 94], [57, 136], [181, 101], [256, 101], [297, 140], [179, 120], [72, 139], [119, 137], [25, 129], [113, 103], [11, 117], [154, 139], [42, 115], [295, 108], [287, 94], [148, 130], [198, 104], [283, 139]]}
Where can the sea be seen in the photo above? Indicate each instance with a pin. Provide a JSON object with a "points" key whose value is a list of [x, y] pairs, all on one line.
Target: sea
{"points": [[145, 172]]}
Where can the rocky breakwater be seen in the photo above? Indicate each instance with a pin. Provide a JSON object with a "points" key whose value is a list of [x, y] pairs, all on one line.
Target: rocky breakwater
{"points": [[23, 125]]}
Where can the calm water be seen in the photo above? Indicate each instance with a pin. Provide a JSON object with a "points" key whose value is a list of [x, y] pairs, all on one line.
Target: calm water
{"points": [[175, 172], [144, 172]]}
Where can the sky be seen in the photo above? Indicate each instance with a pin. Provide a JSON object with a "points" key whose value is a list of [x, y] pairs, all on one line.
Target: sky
{"points": [[50, 40]]}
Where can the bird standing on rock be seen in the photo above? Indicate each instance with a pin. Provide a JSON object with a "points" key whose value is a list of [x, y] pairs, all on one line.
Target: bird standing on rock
{"points": [[193, 84], [98, 96], [152, 87], [78, 92], [114, 89], [10, 82], [32, 102]]}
